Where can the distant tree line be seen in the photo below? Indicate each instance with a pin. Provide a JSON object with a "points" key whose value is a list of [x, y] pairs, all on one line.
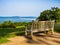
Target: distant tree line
{"points": [[10, 24]]}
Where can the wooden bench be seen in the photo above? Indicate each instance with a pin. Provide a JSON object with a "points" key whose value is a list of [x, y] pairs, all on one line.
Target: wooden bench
{"points": [[38, 26]]}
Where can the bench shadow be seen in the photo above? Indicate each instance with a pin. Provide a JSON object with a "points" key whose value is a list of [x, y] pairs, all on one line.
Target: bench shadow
{"points": [[56, 41], [55, 36], [32, 41], [40, 41]]}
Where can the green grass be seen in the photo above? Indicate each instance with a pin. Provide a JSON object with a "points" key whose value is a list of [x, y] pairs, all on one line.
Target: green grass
{"points": [[10, 32], [20, 26], [3, 40]]}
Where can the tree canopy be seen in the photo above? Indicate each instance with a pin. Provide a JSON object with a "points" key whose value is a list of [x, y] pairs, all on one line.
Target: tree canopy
{"points": [[51, 14]]}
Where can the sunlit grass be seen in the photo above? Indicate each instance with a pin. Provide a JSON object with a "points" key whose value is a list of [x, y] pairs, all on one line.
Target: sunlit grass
{"points": [[10, 32], [20, 26], [3, 40]]}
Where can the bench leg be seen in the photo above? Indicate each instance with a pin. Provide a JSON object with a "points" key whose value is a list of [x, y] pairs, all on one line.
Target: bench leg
{"points": [[52, 31]]}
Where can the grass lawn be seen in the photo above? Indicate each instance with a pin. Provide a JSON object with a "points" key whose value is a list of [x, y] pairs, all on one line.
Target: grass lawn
{"points": [[10, 32], [3, 40]]}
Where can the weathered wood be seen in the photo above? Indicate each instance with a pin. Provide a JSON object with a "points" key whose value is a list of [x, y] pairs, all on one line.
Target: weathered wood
{"points": [[41, 26], [26, 31], [52, 27]]}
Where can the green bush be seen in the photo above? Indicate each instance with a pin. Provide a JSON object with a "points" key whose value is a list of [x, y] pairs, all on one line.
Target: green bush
{"points": [[57, 28], [9, 24]]}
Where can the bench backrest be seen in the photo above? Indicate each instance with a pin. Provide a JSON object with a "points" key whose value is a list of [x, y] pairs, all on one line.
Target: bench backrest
{"points": [[43, 25]]}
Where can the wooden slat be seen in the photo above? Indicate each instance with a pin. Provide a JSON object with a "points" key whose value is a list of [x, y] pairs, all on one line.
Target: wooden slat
{"points": [[41, 26]]}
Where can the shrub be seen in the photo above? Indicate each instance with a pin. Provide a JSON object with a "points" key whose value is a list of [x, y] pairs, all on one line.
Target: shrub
{"points": [[57, 28]]}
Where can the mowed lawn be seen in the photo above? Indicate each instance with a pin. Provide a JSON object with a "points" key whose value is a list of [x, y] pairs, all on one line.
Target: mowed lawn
{"points": [[12, 32]]}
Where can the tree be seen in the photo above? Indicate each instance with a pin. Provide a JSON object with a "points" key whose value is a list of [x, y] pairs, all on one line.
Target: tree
{"points": [[51, 14], [45, 15], [55, 11]]}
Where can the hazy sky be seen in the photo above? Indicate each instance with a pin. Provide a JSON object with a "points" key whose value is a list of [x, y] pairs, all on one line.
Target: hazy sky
{"points": [[26, 7]]}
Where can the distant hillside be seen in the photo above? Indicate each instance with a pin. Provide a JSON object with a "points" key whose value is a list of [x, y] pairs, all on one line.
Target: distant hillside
{"points": [[18, 17]]}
